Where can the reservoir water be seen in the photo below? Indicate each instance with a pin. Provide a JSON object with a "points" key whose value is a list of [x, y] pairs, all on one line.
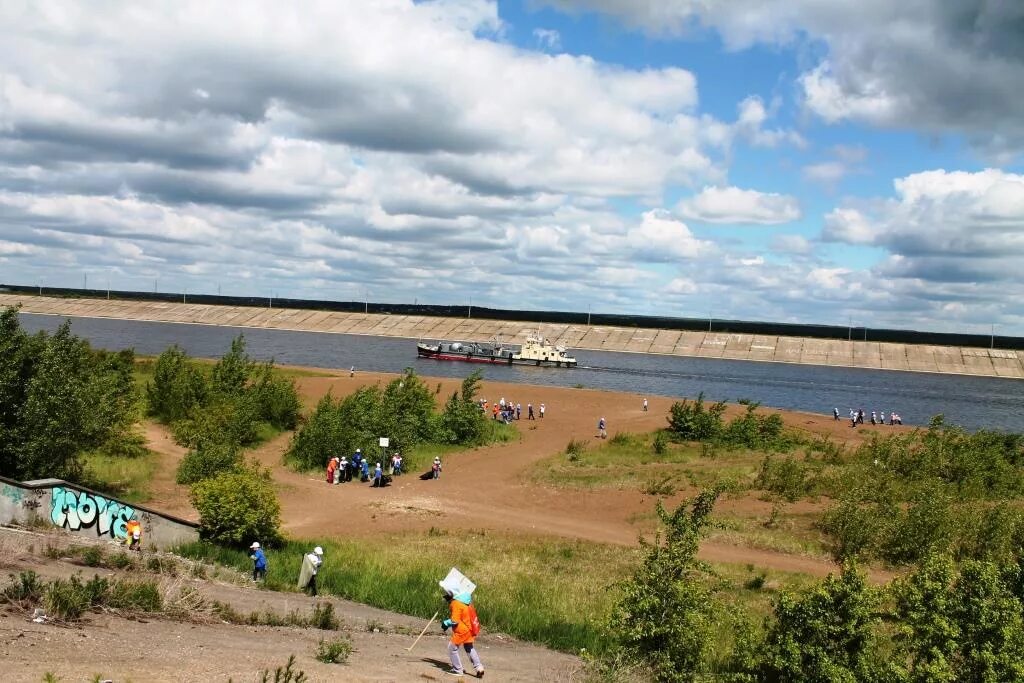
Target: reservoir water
{"points": [[973, 402]]}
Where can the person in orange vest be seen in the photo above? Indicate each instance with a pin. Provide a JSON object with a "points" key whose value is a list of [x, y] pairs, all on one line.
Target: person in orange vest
{"points": [[133, 535], [465, 627]]}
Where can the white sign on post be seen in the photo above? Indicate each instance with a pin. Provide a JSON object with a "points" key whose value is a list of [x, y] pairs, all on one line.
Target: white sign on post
{"points": [[384, 441]]}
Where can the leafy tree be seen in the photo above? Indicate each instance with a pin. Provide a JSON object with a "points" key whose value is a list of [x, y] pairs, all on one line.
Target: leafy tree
{"points": [[825, 635], [231, 373], [755, 430], [664, 616], [274, 397], [236, 507], [54, 418], [462, 421], [207, 461], [319, 438], [961, 625], [693, 422], [406, 411], [177, 388]]}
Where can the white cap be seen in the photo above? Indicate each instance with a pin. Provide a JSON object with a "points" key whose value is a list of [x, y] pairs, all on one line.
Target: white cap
{"points": [[359, 450], [254, 546], [318, 550], [437, 459], [378, 464]]}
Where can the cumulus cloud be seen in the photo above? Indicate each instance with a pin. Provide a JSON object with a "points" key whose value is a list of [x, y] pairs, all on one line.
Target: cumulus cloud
{"points": [[933, 65], [548, 38], [739, 206]]}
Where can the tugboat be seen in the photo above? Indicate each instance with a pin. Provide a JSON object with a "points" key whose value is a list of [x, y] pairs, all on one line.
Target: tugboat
{"points": [[534, 352]]}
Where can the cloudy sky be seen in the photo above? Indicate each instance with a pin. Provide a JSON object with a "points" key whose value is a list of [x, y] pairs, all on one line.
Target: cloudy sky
{"points": [[799, 160]]}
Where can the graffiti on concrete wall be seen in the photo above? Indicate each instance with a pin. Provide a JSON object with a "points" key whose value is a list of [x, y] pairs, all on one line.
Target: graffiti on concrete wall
{"points": [[78, 510]]}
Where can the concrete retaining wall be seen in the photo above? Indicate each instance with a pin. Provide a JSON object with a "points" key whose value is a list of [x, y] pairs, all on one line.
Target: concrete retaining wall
{"points": [[84, 512], [738, 346]]}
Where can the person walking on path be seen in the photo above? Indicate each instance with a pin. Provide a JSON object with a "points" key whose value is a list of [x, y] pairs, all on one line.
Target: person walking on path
{"points": [[259, 562], [344, 474], [435, 468], [645, 405], [835, 414], [465, 626], [378, 474], [542, 411], [310, 566], [602, 430], [529, 411]]}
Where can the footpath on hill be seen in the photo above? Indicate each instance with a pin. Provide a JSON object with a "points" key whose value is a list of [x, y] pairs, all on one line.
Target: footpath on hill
{"points": [[154, 649]]}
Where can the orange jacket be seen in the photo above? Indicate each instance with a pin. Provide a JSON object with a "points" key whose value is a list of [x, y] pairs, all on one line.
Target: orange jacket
{"points": [[461, 632]]}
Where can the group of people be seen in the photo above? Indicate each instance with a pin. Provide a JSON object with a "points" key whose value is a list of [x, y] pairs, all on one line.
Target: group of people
{"points": [[877, 417], [342, 469], [507, 411]]}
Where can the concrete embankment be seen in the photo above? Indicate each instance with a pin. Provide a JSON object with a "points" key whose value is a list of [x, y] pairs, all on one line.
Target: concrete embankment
{"points": [[768, 348]]}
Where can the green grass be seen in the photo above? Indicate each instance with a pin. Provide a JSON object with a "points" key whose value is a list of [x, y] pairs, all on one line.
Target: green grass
{"points": [[558, 593], [125, 478], [630, 461]]}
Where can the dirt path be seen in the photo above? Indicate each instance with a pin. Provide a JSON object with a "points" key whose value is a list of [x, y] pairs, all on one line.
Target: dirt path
{"points": [[176, 651], [487, 488]]}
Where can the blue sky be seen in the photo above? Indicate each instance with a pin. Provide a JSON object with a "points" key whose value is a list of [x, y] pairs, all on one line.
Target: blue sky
{"points": [[812, 161]]}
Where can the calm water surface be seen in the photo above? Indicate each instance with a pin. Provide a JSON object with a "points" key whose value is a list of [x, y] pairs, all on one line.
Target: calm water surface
{"points": [[973, 402]]}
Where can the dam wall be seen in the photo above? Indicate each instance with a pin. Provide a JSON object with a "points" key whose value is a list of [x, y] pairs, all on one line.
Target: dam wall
{"points": [[963, 360]]}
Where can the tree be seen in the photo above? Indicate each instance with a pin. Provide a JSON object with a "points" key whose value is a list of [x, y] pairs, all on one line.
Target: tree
{"points": [[825, 635], [237, 507], [961, 624], [177, 388], [462, 421], [231, 373], [664, 616]]}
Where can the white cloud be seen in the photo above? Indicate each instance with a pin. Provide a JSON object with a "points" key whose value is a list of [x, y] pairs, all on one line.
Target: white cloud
{"points": [[736, 205], [928, 65], [547, 38], [792, 244], [660, 237]]}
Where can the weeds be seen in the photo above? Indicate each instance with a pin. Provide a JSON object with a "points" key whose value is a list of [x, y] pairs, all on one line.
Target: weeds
{"points": [[324, 618], [335, 651], [664, 486], [575, 449], [285, 674]]}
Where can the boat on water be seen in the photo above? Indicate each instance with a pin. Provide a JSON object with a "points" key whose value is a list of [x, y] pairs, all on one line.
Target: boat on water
{"points": [[535, 351]]}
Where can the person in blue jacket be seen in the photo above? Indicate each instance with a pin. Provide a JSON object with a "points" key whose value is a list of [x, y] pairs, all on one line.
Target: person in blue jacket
{"points": [[364, 471], [259, 562]]}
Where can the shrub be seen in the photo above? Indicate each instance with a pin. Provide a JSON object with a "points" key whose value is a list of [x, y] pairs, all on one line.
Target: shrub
{"points": [[786, 477], [209, 460], [177, 388], [335, 651], [660, 443], [663, 618], [693, 422], [274, 397], [854, 528], [660, 487], [825, 634], [24, 587], [236, 507], [462, 421], [323, 617], [231, 373], [285, 674], [575, 449]]}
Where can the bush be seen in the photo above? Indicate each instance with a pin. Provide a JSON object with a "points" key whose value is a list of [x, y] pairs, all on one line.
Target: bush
{"points": [[755, 431], [786, 477], [462, 421], [575, 449], [177, 388], [854, 528], [825, 634], [285, 674], [236, 507], [660, 443], [335, 651], [274, 397], [208, 461], [663, 618], [24, 587], [323, 617], [694, 422]]}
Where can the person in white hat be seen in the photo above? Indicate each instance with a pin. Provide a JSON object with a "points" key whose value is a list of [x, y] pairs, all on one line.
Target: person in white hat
{"points": [[259, 562], [310, 566], [435, 469]]}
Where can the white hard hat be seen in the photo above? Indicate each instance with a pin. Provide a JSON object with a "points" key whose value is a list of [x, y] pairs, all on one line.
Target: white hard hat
{"points": [[318, 550], [359, 450], [254, 546]]}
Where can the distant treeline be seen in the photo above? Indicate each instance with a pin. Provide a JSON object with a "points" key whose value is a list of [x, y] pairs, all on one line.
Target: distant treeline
{"points": [[557, 317]]}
